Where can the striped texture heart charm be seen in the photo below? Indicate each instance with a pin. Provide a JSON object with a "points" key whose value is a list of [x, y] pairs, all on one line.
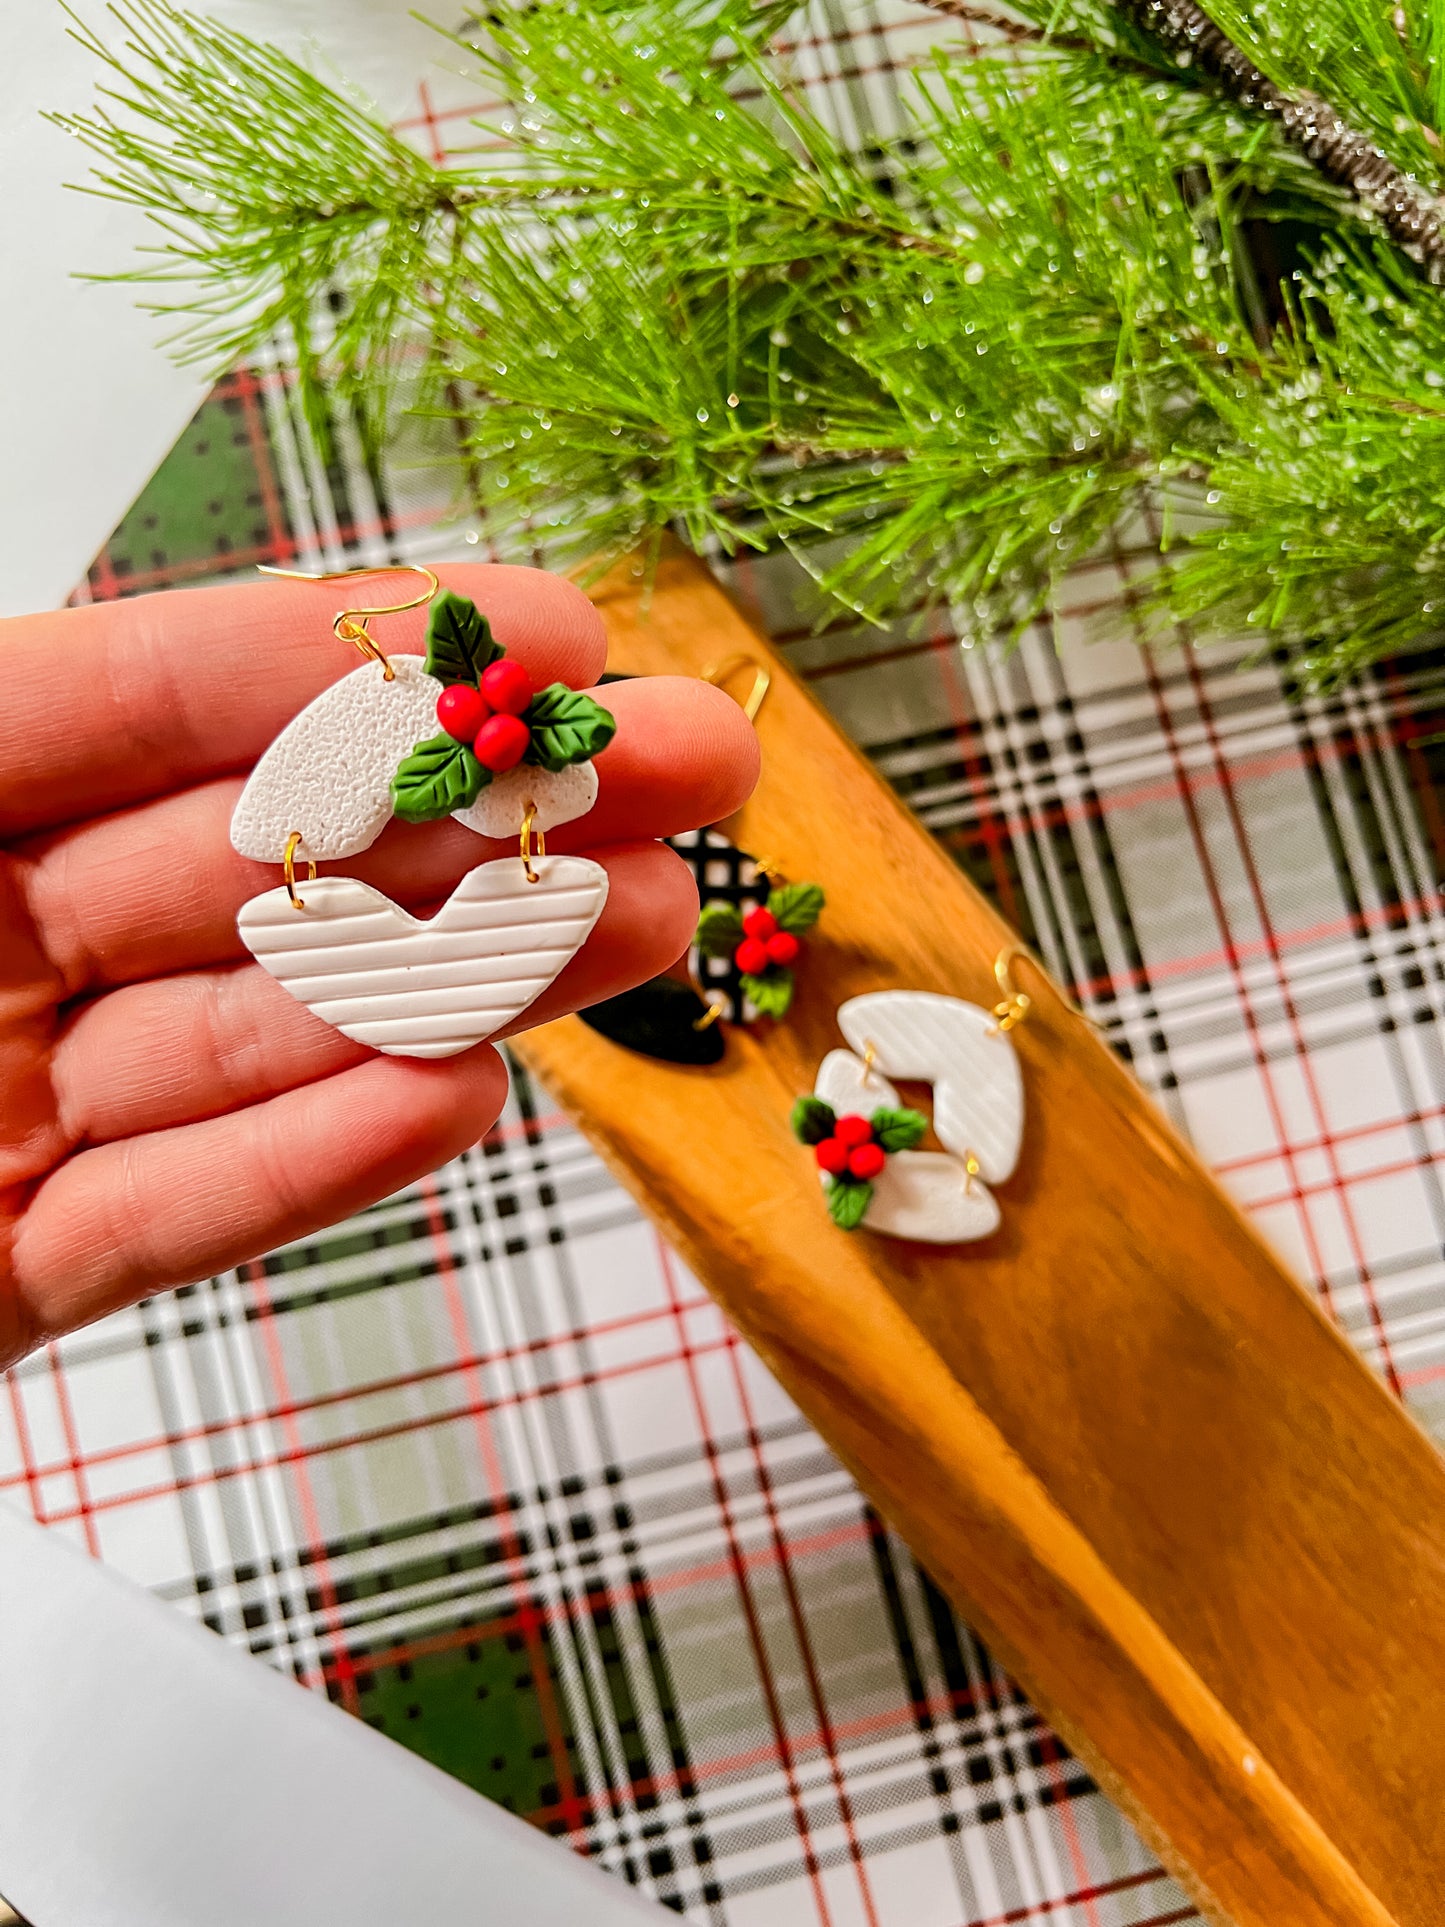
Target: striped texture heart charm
{"points": [[427, 989]]}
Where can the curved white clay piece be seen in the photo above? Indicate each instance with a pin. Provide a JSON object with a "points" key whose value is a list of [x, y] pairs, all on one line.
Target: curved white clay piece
{"points": [[978, 1092], [427, 989], [561, 796], [844, 1082], [918, 1194], [927, 1195], [328, 774]]}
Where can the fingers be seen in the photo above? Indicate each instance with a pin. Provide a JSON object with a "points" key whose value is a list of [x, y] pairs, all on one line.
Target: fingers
{"points": [[129, 1218], [182, 1048], [684, 755], [123, 700], [178, 1049], [156, 889]]}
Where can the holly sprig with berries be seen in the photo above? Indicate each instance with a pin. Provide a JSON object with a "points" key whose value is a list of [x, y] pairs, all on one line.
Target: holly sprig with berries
{"points": [[763, 943], [852, 1150], [492, 717]]}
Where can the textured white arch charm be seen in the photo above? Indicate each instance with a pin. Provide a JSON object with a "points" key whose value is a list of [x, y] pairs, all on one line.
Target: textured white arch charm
{"points": [[935, 1197], [918, 1194], [559, 796], [328, 774]]}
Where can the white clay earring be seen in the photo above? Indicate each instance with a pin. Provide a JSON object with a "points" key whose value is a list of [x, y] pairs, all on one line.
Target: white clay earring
{"points": [[509, 760], [864, 1138]]}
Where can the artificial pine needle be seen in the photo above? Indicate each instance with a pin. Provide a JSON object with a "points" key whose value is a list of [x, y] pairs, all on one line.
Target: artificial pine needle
{"points": [[1079, 290]]}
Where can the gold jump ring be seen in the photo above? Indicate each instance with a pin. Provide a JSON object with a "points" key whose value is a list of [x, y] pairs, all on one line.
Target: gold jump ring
{"points": [[528, 830], [288, 864]]}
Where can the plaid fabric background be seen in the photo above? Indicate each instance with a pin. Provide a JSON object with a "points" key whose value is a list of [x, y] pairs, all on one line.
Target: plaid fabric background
{"points": [[486, 1466]]}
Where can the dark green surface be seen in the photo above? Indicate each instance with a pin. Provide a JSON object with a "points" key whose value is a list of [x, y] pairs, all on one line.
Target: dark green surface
{"points": [[473, 1709], [213, 504]]}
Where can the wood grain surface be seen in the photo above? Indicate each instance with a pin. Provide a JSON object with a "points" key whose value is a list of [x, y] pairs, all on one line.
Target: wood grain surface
{"points": [[1119, 1434]]}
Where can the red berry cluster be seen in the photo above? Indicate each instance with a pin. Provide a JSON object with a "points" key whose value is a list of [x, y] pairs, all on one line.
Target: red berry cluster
{"points": [[490, 718], [852, 1151], [764, 944]]}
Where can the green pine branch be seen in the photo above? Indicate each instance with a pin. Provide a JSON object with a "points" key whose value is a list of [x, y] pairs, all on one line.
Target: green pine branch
{"points": [[1083, 289]]}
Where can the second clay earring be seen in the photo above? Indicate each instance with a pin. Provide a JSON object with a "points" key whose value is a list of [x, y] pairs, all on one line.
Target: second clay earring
{"points": [[864, 1140], [742, 963]]}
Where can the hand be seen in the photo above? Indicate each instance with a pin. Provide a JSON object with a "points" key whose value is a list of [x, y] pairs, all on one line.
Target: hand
{"points": [[166, 1109]]}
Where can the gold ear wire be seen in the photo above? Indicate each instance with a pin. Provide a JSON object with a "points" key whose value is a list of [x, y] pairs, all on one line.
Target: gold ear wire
{"points": [[349, 625], [717, 674], [1016, 1004]]}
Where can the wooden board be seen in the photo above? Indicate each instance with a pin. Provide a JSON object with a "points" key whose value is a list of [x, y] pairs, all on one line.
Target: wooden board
{"points": [[1118, 1433]]}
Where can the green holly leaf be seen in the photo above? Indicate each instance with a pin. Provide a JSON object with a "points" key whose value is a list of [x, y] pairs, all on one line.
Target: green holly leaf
{"points": [[771, 995], [796, 906], [567, 727], [813, 1120], [848, 1199], [897, 1130], [719, 930], [440, 775], [459, 643]]}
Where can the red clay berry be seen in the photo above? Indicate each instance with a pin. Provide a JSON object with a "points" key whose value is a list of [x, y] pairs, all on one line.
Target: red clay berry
{"points": [[501, 743], [783, 947], [461, 711], [751, 957], [832, 1156], [852, 1130], [866, 1161], [507, 686], [760, 923]]}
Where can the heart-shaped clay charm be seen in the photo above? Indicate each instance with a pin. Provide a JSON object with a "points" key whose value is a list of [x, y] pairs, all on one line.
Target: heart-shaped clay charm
{"points": [[958, 1048], [927, 1195], [415, 988]]}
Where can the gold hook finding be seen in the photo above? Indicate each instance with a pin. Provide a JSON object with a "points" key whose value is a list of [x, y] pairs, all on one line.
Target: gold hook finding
{"points": [[717, 674], [288, 864], [711, 1016], [528, 830], [1015, 1004], [350, 624]]}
